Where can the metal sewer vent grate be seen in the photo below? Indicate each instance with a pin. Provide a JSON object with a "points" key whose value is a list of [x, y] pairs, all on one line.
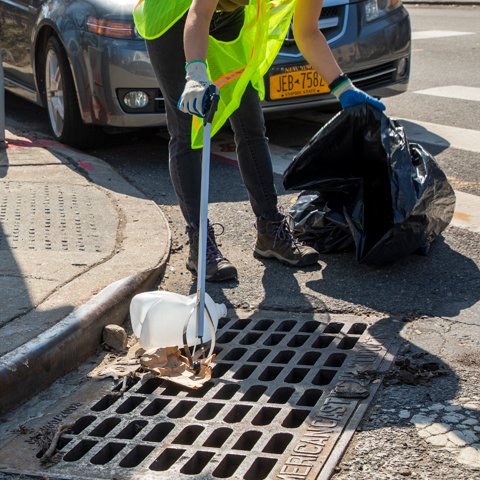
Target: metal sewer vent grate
{"points": [[268, 412]]}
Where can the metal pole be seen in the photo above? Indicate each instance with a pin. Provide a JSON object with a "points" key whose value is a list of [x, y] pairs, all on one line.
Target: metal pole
{"points": [[3, 142]]}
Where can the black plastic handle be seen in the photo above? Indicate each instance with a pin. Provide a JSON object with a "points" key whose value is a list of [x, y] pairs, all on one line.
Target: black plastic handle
{"points": [[211, 103]]}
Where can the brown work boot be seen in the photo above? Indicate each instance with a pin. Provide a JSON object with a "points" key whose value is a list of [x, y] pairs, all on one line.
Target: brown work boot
{"points": [[275, 240], [218, 268]]}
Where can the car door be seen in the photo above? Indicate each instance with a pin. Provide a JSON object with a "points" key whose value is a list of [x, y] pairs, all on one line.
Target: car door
{"points": [[17, 19]]}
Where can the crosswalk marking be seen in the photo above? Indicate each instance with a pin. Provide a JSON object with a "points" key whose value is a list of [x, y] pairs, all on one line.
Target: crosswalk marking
{"points": [[467, 212], [442, 135], [437, 34], [453, 91]]}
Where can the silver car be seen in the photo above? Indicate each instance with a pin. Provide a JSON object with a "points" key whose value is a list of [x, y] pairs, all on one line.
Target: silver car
{"points": [[84, 61]]}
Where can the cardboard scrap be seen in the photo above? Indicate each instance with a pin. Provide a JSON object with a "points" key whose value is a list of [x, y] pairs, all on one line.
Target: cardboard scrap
{"points": [[167, 363], [170, 364]]}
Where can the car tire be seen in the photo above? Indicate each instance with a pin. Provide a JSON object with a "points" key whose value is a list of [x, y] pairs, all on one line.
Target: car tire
{"points": [[61, 99]]}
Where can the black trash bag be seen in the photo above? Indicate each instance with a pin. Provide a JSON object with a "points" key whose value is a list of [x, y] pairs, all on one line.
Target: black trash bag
{"points": [[367, 184]]}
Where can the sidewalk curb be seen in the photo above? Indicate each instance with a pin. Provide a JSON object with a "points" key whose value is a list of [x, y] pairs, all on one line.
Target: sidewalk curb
{"points": [[33, 366]]}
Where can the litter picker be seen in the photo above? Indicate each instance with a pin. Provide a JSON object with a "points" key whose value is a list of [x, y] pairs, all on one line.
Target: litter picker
{"points": [[211, 102]]}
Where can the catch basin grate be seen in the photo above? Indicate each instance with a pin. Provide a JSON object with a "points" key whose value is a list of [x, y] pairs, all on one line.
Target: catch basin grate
{"points": [[269, 410]]}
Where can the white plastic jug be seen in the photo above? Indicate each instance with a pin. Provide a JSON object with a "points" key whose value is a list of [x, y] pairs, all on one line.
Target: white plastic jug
{"points": [[158, 318]]}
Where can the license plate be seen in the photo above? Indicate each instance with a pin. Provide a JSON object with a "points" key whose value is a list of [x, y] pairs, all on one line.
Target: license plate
{"points": [[295, 81]]}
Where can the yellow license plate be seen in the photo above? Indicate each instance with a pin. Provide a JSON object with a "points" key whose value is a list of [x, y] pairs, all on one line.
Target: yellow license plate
{"points": [[295, 81]]}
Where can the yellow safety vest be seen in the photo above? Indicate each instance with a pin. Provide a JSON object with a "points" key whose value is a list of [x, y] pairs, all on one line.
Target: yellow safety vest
{"points": [[231, 65]]}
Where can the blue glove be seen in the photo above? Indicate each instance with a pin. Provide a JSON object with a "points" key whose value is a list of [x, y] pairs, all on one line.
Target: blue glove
{"points": [[194, 94], [350, 96]]}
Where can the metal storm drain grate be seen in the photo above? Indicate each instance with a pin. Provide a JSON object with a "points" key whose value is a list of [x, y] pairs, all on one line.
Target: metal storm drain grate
{"points": [[268, 412]]}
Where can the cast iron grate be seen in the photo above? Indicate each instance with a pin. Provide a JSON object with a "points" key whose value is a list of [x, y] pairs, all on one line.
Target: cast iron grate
{"points": [[268, 412]]}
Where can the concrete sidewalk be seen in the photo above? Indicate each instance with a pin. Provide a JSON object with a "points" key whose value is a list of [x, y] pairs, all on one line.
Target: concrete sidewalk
{"points": [[77, 241]]}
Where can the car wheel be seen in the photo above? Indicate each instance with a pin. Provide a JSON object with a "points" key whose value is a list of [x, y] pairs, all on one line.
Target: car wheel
{"points": [[61, 99]]}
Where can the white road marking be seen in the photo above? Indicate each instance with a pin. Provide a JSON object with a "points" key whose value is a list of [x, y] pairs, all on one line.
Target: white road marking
{"points": [[437, 34], [467, 212], [453, 91], [442, 135]]}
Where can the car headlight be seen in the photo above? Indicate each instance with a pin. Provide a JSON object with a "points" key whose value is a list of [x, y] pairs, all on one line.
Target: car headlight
{"points": [[136, 99], [378, 8], [112, 28]]}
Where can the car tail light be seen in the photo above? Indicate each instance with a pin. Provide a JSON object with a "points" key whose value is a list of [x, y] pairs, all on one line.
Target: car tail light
{"points": [[111, 28]]}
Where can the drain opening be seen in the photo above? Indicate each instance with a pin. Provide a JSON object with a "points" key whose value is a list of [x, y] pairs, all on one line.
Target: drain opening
{"points": [[334, 327], [235, 354], [250, 338], [107, 453], [77, 452], [197, 463], [270, 374], [167, 458], [281, 395], [335, 360], [188, 435], [227, 392], [254, 393], [278, 443], [347, 343], [263, 325], [222, 322], [265, 416], [105, 427], [284, 357], [106, 402], [132, 429], [228, 466], [310, 398], [296, 375], [220, 369], [274, 339], [260, 468], [218, 437], [227, 337], [357, 329], [324, 377], [181, 409], [247, 441], [244, 372], [130, 382], [155, 407], [131, 404], [295, 418], [259, 356], [237, 413], [159, 432], [202, 391], [136, 456], [286, 326], [150, 386], [322, 342], [310, 358], [298, 340], [209, 411], [240, 324], [82, 423], [62, 442], [172, 390], [309, 327]]}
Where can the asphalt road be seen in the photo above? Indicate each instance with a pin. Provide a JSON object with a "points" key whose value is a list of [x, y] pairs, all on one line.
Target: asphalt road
{"points": [[441, 284]]}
